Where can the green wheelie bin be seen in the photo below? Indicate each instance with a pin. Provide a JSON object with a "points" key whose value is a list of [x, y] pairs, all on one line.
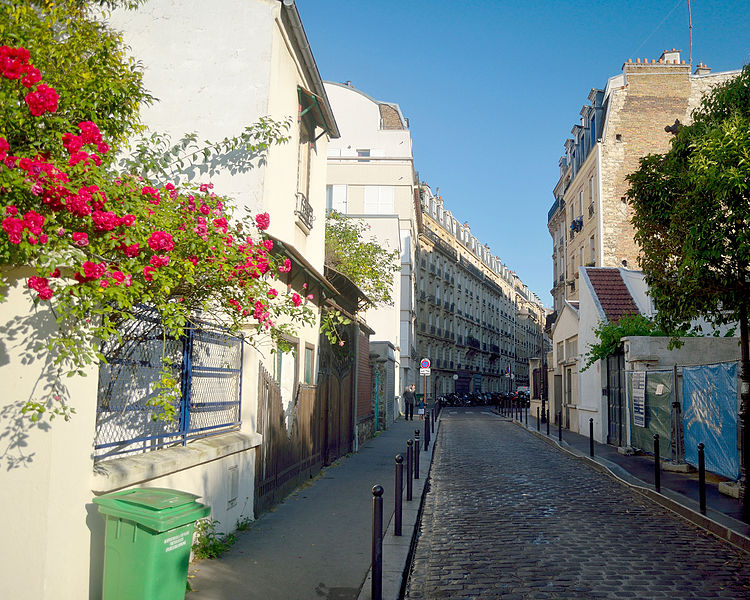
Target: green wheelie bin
{"points": [[149, 532]]}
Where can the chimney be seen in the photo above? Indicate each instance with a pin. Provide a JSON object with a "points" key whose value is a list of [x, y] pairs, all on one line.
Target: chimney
{"points": [[702, 69], [670, 56]]}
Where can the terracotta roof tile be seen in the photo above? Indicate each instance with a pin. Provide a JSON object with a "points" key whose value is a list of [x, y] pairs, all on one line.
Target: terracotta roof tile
{"points": [[612, 292]]}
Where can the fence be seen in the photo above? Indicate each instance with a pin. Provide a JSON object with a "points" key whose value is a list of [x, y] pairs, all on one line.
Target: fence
{"points": [[207, 363], [288, 455], [688, 406]]}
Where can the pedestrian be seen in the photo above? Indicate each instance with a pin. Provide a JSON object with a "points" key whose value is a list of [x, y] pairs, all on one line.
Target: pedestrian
{"points": [[409, 399], [420, 409]]}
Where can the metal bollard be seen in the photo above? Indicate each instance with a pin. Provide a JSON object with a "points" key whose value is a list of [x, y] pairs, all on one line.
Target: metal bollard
{"points": [[397, 515], [547, 420], [426, 432], [702, 477], [591, 436], [409, 467], [657, 464], [537, 418], [377, 543], [416, 454], [527, 417], [559, 426]]}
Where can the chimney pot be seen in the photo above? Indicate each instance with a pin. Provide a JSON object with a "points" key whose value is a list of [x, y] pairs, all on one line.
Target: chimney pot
{"points": [[638, 61]]}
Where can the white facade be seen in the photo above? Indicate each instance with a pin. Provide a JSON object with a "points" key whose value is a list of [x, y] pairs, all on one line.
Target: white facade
{"points": [[215, 68], [371, 178]]}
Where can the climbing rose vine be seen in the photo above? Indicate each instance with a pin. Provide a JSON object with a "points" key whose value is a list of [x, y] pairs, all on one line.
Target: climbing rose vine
{"points": [[101, 244]]}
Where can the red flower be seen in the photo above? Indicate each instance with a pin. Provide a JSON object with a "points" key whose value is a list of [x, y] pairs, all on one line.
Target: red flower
{"points": [[131, 251], [90, 132], [268, 244], [104, 221], [286, 267], [296, 299], [14, 228], [94, 270], [159, 260], [161, 240], [44, 99], [148, 273], [80, 238], [262, 221], [272, 293], [33, 76], [4, 147]]}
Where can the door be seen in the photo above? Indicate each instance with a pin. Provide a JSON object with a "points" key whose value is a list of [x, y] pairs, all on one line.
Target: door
{"points": [[616, 397]]}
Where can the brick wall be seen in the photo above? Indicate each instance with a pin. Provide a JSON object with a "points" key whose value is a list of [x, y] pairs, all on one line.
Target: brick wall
{"points": [[654, 96]]}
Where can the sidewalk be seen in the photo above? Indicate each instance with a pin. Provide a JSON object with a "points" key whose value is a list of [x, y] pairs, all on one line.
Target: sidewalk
{"points": [[679, 491], [316, 544]]}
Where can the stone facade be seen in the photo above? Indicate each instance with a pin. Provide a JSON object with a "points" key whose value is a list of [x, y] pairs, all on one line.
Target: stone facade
{"points": [[476, 321], [590, 221]]}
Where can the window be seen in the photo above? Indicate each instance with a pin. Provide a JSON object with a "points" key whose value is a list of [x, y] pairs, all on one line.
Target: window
{"points": [[379, 199], [336, 198], [306, 144], [205, 359], [364, 153], [309, 366], [592, 249]]}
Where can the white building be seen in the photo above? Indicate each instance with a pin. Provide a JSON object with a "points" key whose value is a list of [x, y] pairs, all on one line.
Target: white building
{"points": [[371, 178], [215, 68]]}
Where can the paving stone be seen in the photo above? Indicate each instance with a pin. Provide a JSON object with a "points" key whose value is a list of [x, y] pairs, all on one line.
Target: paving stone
{"points": [[509, 516]]}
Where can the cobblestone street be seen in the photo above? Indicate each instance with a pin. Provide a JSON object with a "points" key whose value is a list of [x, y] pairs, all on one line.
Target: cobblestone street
{"points": [[509, 516]]}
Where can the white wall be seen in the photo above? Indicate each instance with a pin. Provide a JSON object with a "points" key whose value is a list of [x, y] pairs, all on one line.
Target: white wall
{"points": [[592, 402], [45, 468], [215, 93]]}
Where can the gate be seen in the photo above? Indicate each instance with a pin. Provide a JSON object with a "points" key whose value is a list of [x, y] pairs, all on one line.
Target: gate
{"points": [[288, 455], [616, 397]]}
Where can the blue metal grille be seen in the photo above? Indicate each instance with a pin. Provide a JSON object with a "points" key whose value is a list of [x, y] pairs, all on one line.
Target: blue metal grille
{"points": [[206, 361]]}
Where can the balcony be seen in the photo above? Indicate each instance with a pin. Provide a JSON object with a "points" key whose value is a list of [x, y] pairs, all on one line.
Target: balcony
{"points": [[472, 342], [304, 212]]}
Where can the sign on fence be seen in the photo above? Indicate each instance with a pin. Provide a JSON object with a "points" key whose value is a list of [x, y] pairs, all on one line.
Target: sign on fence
{"points": [[639, 398]]}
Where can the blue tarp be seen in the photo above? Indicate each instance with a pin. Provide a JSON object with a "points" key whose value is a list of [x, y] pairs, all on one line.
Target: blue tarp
{"points": [[709, 416]]}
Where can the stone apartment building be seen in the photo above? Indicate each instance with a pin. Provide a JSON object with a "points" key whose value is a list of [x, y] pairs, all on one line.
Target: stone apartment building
{"points": [[590, 220], [476, 321]]}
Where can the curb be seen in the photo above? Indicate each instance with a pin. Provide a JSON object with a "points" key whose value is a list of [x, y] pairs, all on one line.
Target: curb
{"points": [[720, 525], [398, 551]]}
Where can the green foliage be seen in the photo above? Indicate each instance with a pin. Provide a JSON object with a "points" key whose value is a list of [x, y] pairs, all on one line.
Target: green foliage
{"points": [[156, 158], [610, 336], [330, 321], [370, 266], [102, 245], [691, 212], [84, 60], [207, 543]]}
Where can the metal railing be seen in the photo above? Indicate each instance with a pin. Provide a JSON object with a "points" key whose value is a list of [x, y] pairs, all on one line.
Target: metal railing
{"points": [[205, 360]]}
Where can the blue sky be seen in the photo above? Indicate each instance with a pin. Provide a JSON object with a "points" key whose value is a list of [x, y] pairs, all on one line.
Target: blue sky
{"points": [[492, 89]]}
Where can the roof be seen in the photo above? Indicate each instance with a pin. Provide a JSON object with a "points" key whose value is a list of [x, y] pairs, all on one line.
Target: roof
{"points": [[611, 292]]}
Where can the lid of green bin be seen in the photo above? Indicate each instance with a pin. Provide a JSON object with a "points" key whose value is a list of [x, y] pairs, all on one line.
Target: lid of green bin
{"points": [[157, 508], [155, 498]]}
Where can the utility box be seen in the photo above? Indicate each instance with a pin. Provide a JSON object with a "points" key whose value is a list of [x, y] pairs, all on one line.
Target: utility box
{"points": [[148, 536]]}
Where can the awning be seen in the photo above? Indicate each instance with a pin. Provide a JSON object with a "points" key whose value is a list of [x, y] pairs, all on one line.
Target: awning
{"points": [[310, 107]]}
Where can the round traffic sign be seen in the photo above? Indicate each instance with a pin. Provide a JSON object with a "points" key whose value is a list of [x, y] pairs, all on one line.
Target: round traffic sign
{"points": [[424, 363]]}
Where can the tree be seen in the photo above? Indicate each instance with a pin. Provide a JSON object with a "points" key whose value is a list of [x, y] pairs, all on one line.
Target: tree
{"points": [[691, 212], [364, 261], [84, 61]]}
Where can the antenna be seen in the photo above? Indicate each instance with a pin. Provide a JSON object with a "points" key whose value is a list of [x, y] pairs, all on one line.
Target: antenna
{"points": [[690, 25]]}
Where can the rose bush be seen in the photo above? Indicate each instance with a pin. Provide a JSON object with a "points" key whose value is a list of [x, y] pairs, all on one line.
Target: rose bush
{"points": [[102, 244]]}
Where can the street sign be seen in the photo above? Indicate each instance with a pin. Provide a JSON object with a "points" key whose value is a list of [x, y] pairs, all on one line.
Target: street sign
{"points": [[424, 363], [423, 371]]}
